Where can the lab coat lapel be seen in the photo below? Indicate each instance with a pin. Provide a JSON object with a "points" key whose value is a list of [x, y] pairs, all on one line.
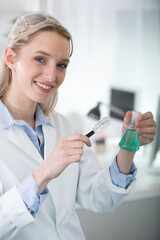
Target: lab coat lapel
{"points": [[22, 141], [60, 186], [50, 142], [49, 139], [55, 186]]}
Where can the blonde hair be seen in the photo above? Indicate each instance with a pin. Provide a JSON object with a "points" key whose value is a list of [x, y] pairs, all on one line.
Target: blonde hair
{"points": [[21, 33]]}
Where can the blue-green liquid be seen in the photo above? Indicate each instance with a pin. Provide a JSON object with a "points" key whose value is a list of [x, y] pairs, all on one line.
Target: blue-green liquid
{"points": [[130, 141]]}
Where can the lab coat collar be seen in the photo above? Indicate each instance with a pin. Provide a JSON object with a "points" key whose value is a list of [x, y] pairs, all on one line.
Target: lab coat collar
{"points": [[18, 137], [7, 120]]}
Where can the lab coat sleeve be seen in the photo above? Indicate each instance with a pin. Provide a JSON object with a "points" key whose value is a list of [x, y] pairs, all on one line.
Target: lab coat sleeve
{"points": [[14, 214], [95, 190]]}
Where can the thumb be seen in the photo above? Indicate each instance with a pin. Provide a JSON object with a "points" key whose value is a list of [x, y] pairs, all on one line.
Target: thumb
{"points": [[127, 118], [126, 121]]}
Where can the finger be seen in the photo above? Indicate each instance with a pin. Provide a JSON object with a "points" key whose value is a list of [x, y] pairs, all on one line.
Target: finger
{"points": [[150, 130], [73, 144], [145, 116], [71, 159], [83, 138], [127, 118], [79, 137], [147, 122], [147, 136], [145, 139], [75, 151], [75, 158]]}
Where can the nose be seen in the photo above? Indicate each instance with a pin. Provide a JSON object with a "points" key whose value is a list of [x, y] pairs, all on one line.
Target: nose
{"points": [[50, 74]]}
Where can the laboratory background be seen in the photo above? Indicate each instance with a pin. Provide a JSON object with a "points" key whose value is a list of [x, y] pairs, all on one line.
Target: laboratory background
{"points": [[115, 67]]}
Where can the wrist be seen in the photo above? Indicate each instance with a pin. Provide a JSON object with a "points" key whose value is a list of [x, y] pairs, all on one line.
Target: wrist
{"points": [[125, 160], [41, 178]]}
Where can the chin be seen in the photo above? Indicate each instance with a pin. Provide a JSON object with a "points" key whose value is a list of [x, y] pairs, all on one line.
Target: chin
{"points": [[42, 99]]}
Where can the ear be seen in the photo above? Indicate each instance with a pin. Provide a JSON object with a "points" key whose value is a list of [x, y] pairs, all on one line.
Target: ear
{"points": [[9, 57]]}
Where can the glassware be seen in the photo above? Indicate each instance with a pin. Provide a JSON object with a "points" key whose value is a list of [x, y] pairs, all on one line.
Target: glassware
{"points": [[100, 126], [130, 139]]}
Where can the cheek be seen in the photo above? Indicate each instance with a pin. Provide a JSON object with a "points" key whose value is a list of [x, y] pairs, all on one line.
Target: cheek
{"points": [[60, 82], [26, 71], [20, 72], [20, 66], [61, 78]]}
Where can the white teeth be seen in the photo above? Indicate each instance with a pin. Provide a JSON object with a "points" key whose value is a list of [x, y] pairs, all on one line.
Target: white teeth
{"points": [[43, 86]]}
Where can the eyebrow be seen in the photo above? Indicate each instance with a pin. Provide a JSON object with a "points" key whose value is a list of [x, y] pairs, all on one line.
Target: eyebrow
{"points": [[47, 54]]}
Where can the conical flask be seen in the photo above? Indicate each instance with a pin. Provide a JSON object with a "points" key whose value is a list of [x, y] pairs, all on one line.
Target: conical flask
{"points": [[130, 139]]}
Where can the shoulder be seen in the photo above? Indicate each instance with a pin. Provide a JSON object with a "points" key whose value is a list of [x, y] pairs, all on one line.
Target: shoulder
{"points": [[56, 118], [60, 121]]}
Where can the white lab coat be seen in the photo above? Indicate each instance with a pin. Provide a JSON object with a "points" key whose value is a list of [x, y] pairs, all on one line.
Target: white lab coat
{"points": [[84, 182]]}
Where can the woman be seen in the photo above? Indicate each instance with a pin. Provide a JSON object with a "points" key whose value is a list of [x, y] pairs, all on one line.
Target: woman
{"points": [[44, 167]]}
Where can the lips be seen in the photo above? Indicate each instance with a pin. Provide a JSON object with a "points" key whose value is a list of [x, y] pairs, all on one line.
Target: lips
{"points": [[43, 85]]}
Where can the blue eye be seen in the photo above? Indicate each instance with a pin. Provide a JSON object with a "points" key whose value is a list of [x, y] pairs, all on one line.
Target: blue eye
{"points": [[62, 65], [39, 59]]}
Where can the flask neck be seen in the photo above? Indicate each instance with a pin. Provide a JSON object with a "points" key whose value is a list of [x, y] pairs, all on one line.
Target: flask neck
{"points": [[132, 126], [134, 118]]}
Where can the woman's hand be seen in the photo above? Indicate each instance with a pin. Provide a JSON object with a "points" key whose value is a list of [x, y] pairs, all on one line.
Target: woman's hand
{"points": [[146, 127], [69, 150]]}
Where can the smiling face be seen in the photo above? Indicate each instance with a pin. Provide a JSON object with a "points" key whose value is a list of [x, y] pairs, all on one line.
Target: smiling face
{"points": [[40, 67]]}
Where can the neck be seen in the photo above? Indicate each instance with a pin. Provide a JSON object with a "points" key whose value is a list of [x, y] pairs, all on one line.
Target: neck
{"points": [[20, 109]]}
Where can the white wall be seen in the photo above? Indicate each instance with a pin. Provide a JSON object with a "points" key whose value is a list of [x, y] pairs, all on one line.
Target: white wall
{"points": [[9, 10], [116, 43]]}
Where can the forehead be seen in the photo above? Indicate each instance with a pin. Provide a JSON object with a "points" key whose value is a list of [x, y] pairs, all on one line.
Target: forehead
{"points": [[49, 42]]}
